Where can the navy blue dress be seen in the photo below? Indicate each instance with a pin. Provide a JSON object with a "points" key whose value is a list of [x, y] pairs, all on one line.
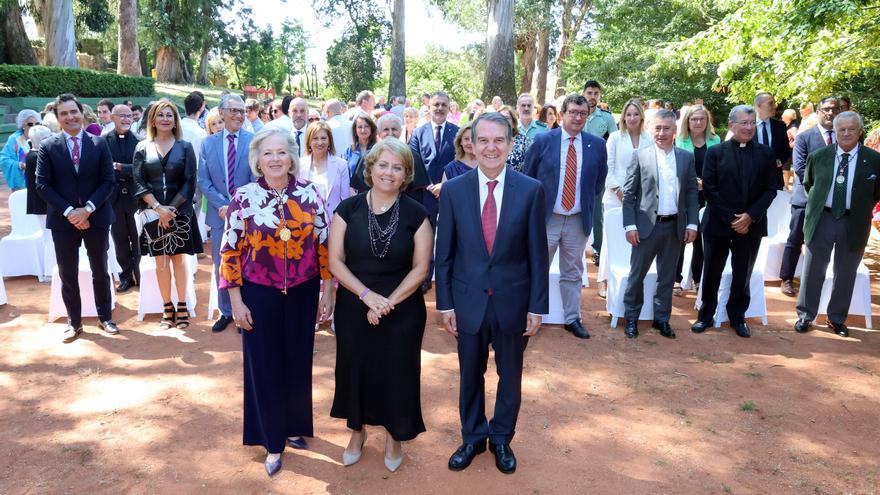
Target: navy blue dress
{"points": [[455, 168]]}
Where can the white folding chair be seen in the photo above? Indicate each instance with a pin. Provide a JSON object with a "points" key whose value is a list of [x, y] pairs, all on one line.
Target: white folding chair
{"points": [[3, 299], [86, 291], [860, 303], [149, 299], [758, 301], [618, 270], [21, 252], [556, 316], [213, 299], [778, 219], [49, 260]]}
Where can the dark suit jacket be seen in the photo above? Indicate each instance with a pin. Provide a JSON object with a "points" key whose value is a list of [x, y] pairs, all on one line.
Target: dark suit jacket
{"points": [[122, 152], [517, 270], [433, 160], [543, 163], [779, 143], [35, 204], [61, 186], [804, 144], [733, 187], [818, 179]]}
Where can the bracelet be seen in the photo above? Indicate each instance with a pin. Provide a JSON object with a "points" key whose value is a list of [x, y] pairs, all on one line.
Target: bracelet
{"points": [[363, 293]]}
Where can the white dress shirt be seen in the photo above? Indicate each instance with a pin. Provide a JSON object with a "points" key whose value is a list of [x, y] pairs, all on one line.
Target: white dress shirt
{"points": [[498, 193], [824, 133], [850, 175], [563, 154], [282, 122], [340, 127], [668, 186], [760, 135], [191, 132], [301, 142]]}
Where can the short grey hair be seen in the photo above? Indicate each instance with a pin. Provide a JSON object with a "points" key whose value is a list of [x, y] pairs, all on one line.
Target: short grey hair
{"points": [[257, 141], [747, 109], [23, 117], [495, 117], [761, 97], [37, 134], [665, 114], [441, 94], [225, 99], [389, 116], [841, 116]]}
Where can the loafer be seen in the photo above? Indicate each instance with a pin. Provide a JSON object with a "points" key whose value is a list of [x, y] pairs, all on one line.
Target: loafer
{"points": [[109, 327], [505, 461], [700, 326], [788, 288], [665, 329], [839, 329], [221, 324], [297, 443], [124, 286], [742, 329], [577, 329], [802, 325], [272, 467], [71, 333], [632, 329], [465, 454]]}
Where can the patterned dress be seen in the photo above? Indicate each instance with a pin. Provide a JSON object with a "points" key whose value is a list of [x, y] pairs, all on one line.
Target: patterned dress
{"points": [[517, 156]]}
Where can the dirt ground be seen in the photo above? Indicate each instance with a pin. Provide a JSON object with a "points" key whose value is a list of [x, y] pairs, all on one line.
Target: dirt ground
{"points": [[159, 412]]}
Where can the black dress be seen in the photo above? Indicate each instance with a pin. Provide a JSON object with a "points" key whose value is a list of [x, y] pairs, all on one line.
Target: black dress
{"points": [[172, 181], [378, 367], [35, 204]]}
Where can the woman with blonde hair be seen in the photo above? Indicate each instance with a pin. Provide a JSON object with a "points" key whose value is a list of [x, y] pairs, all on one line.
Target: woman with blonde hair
{"points": [[320, 166], [214, 122], [90, 121], [465, 160]]}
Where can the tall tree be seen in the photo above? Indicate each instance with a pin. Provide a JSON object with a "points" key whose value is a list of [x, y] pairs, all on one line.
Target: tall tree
{"points": [[60, 38], [293, 43], [542, 61], [15, 47], [526, 45], [573, 14], [397, 83], [128, 61], [499, 78]]}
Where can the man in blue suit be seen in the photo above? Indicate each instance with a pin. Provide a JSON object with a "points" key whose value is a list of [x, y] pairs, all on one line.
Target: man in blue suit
{"points": [[572, 165], [492, 276], [76, 179], [223, 167]]}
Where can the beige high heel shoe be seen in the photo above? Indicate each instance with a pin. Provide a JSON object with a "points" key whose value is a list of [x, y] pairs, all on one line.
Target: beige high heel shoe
{"points": [[392, 464], [348, 458]]}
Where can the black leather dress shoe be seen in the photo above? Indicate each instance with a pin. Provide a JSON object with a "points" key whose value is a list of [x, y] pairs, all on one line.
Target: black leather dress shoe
{"points": [[742, 329], [577, 329], [124, 286], [109, 327], [632, 329], [802, 325], [839, 329], [505, 461], [700, 326], [221, 324], [71, 333], [462, 457], [665, 329]]}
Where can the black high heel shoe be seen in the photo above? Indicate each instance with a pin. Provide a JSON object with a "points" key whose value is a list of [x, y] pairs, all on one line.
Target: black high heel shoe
{"points": [[182, 315], [167, 316]]}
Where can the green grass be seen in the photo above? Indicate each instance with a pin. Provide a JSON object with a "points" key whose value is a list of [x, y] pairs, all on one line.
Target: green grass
{"points": [[748, 406], [177, 92]]}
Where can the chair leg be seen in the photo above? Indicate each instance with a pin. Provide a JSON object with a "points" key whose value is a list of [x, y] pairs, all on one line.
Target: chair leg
{"points": [[613, 321]]}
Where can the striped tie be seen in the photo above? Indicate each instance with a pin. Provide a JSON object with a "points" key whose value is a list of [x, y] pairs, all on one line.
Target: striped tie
{"points": [[570, 181], [489, 217], [74, 155], [230, 163]]}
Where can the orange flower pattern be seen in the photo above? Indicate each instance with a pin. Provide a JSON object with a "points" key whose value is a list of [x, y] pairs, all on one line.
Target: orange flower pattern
{"points": [[252, 248]]}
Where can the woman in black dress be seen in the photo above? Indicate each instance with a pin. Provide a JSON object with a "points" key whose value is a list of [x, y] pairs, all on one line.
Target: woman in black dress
{"points": [[165, 180], [380, 250]]}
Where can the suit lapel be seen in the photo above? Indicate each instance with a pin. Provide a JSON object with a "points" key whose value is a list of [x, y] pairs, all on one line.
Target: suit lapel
{"points": [[506, 207], [221, 156], [65, 153], [88, 148], [555, 151], [651, 171]]}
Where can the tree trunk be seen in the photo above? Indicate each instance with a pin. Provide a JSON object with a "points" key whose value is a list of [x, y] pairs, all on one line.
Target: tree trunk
{"points": [[168, 65], [499, 79], [527, 61], [571, 25], [60, 38], [186, 69], [129, 61], [397, 85], [543, 57], [15, 47], [38, 15], [202, 77]]}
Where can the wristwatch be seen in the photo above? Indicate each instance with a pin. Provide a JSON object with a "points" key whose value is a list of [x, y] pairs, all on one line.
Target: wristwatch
{"points": [[90, 208]]}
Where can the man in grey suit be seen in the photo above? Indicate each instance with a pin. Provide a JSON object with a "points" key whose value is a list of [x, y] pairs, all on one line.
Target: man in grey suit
{"points": [[660, 211], [223, 167], [806, 142]]}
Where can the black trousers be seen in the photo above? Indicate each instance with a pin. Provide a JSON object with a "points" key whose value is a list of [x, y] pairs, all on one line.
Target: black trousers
{"points": [[743, 250], [125, 238], [792, 252], [473, 355], [67, 242]]}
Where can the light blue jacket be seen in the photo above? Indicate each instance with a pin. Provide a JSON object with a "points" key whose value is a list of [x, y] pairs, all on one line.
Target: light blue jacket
{"points": [[14, 153]]}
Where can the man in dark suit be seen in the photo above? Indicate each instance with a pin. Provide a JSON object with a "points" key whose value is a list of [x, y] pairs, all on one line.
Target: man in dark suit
{"points": [[843, 185], [122, 143], [805, 143], [434, 144], [739, 182], [75, 177], [571, 164], [771, 132], [660, 213], [492, 277]]}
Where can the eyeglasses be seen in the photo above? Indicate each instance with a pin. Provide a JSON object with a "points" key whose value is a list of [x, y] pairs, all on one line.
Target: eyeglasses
{"points": [[124, 115], [234, 111], [581, 115], [30, 124], [746, 123], [697, 119], [829, 109], [276, 110], [315, 119]]}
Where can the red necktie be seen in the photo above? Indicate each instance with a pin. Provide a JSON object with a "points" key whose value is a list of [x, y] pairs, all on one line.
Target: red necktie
{"points": [[75, 153], [828, 137], [570, 181], [490, 222]]}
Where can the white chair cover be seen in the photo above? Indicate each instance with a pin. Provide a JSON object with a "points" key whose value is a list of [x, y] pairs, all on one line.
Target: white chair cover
{"points": [[757, 303], [778, 219], [3, 299], [213, 301], [861, 294], [556, 316], [149, 299], [21, 252], [49, 260], [618, 270], [86, 292]]}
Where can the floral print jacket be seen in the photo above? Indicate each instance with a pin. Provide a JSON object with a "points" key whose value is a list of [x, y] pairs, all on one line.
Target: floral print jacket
{"points": [[253, 249]]}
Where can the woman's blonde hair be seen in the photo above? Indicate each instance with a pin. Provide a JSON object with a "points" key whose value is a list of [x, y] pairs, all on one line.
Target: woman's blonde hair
{"points": [[632, 102], [313, 129], [260, 137], [399, 149], [460, 153], [89, 116], [684, 131], [151, 119], [213, 116], [872, 141]]}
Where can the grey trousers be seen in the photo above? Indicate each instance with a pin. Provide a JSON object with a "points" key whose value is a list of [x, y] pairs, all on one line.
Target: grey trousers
{"points": [[830, 235], [567, 234], [664, 244]]}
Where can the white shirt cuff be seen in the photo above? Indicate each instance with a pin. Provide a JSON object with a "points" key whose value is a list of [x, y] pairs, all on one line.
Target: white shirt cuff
{"points": [[89, 203], [691, 227], [68, 210], [446, 310], [630, 228]]}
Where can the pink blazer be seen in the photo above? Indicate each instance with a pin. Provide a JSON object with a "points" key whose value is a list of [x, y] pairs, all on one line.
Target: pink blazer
{"points": [[337, 178]]}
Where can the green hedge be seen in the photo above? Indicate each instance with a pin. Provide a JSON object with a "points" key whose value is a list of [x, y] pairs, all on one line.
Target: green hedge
{"points": [[37, 80]]}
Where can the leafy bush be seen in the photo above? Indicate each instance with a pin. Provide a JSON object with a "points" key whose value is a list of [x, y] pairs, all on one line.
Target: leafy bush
{"points": [[36, 80]]}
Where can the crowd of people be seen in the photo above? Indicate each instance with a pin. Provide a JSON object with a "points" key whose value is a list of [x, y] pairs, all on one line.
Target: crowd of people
{"points": [[351, 213]]}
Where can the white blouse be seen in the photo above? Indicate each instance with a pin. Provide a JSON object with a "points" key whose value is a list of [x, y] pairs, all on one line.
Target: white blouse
{"points": [[620, 152]]}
